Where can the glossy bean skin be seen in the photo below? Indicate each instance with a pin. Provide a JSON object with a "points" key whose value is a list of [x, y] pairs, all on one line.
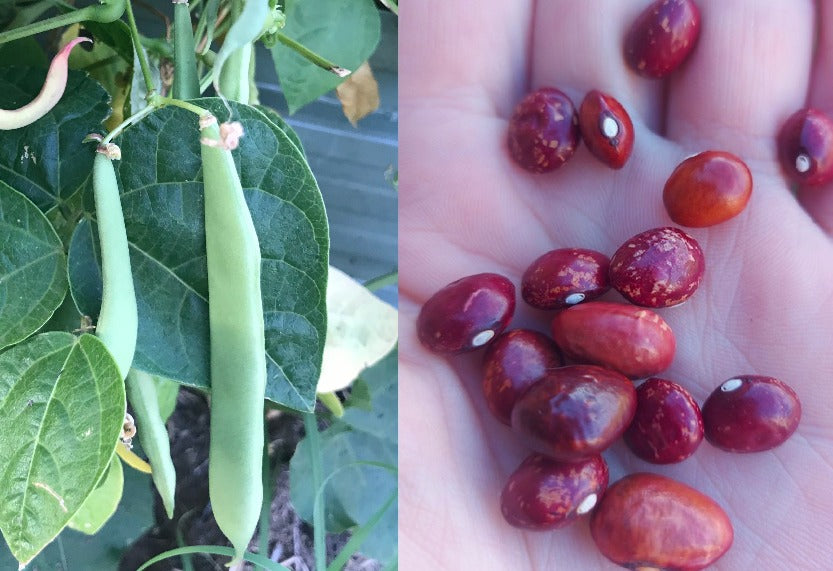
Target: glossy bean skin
{"points": [[511, 364], [661, 267], [651, 521], [543, 130], [237, 347], [707, 189], [543, 494], [574, 412], [118, 320], [805, 147], [466, 314], [662, 37], [751, 413], [606, 128], [631, 340], [564, 277], [667, 426]]}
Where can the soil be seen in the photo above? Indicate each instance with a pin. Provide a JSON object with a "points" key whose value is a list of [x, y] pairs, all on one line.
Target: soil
{"points": [[290, 538]]}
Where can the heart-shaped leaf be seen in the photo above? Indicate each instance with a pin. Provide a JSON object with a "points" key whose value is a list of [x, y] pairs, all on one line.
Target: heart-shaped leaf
{"points": [[344, 31], [32, 268], [62, 406], [163, 209]]}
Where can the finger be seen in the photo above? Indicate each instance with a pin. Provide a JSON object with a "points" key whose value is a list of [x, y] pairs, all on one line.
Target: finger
{"points": [[455, 49], [577, 46], [748, 72], [818, 200]]}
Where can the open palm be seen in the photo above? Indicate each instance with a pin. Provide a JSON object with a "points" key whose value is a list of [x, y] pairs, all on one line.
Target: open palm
{"points": [[765, 305]]}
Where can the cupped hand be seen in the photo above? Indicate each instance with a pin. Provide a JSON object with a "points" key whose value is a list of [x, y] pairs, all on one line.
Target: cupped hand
{"points": [[765, 305]]}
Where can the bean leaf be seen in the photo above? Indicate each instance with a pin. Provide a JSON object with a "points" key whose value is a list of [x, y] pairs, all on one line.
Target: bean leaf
{"points": [[32, 268], [101, 504], [345, 32], [29, 157], [162, 201], [62, 407]]}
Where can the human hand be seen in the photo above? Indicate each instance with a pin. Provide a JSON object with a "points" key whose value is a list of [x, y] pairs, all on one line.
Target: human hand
{"points": [[764, 306]]}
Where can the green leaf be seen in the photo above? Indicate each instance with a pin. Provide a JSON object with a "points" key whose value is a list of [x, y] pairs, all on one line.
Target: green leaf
{"points": [[25, 51], [281, 124], [73, 551], [163, 211], [381, 420], [62, 407], [356, 492], [32, 268], [343, 31], [31, 157], [101, 504]]}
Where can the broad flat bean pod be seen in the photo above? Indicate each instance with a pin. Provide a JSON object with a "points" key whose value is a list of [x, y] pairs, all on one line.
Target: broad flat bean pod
{"points": [[50, 93], [237, 345], [118, 321]]}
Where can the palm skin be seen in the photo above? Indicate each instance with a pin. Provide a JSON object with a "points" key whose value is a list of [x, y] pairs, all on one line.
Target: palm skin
{"points": [[764, 307]]}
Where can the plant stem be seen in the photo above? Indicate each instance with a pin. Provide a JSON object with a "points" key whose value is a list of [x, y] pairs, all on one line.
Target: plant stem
{"points": [[128, 122], [381, 281], [319, 526], [140, 51], [360, 535], [268, 492], [160, 101], [321, 62], [59, 21]]}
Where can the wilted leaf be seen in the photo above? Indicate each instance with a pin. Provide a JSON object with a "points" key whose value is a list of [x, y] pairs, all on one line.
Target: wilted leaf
{"points": [[359, 94], [361, 329]]}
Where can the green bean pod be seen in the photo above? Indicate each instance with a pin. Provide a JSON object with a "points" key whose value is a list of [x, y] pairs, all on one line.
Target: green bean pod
{"points": [[237, 344], [152, 433], [118, 321], [186, 83]]}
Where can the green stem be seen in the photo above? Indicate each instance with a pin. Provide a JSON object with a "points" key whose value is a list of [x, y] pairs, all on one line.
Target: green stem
{"points": [[128, 122], [140, 51], [268, 492], [160, 101], [59, 21], [321, 62], [319, 527], [360, 535], [107, 11], [379, 282]]}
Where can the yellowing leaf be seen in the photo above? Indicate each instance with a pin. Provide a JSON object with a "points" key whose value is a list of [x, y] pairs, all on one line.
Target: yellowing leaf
{"points": [[361, 329], [359, 94]]}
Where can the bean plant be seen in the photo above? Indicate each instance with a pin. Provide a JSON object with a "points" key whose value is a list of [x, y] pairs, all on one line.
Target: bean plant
{"points": [[161, 228]]}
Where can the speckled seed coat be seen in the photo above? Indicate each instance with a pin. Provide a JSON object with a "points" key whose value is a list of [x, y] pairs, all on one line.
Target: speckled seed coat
{"points": [[662, 37], [632, 340], [543, 131], [751, 413], [566, 276], [667, 426], [661, 267], [545, 494]]}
